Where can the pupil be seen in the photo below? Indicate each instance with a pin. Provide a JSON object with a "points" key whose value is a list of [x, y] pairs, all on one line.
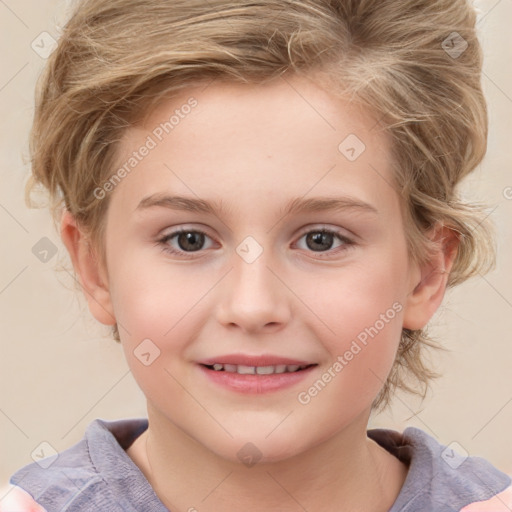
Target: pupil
{"points": [[318, 239], [188, 241], [193, 241]]}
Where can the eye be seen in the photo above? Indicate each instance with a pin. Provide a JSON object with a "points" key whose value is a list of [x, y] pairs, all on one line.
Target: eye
{"points": [[322, 240], [185, 242]]}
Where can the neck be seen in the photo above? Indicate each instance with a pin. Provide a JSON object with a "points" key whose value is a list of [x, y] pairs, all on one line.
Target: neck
{"points": [[347, 472]]}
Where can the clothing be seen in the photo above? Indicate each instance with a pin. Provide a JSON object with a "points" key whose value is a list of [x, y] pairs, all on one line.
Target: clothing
{"points": [[97, 474]]}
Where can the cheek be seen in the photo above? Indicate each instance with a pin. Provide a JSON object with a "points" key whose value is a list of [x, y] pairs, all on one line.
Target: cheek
{"points": [[153, 305], [358, 297], [363, 310], [161, 309], [150, 297]]}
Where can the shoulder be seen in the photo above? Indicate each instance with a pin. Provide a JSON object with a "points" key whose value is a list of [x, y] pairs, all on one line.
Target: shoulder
{"points": [[15, 499], [441, 476], [501, 502], [82, 477], [54, 482]]}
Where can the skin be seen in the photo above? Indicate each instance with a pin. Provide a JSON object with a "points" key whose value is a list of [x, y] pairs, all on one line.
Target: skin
{"points": [[255, 148]]}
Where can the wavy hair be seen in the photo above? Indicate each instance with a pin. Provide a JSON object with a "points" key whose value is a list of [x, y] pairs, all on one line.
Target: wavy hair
{"points": [[414, 64]]}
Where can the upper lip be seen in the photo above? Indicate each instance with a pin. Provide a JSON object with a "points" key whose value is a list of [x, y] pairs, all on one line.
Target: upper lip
{"points": [[250, 360]]}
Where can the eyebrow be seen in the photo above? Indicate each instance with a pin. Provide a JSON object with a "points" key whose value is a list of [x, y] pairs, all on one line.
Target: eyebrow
{"points": [[295, 206]]}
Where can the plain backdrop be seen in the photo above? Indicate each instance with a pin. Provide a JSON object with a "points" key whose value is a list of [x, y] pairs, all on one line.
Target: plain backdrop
{"points": [[58, 368]]}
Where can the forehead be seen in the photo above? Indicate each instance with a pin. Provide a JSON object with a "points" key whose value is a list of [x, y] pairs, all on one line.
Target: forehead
{"points": [[234, 143]]}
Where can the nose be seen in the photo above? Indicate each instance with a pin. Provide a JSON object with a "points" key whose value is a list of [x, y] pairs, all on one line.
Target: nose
{"points": [[253, 298]]}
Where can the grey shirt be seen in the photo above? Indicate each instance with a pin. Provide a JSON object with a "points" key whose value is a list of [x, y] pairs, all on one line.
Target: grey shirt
{"points": [[97, 474]]}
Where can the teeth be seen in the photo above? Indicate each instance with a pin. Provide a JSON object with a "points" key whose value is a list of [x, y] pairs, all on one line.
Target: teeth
{"points": [[264, 370], [257, 370], [246, 370]]}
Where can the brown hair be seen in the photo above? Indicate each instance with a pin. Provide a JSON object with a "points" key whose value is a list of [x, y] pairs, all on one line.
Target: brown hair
{"points": [[414, 64]]}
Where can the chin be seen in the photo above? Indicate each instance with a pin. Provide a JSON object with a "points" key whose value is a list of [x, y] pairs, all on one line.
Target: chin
{"points": [[248, 451]]}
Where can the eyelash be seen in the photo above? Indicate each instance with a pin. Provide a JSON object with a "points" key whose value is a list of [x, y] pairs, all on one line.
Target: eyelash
{"points": [[164, 245]]}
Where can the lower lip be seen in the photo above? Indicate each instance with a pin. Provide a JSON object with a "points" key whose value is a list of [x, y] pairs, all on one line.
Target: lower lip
{"points": [[255, 384]]}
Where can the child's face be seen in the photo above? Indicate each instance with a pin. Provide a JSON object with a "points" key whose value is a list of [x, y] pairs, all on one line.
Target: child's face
{"points": [[252, 150]]}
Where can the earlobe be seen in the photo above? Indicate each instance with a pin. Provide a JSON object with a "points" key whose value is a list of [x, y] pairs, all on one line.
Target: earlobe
{"points": [[428, 291], [88, 268]]}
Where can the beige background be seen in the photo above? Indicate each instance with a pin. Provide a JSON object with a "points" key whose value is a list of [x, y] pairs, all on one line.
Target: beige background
{"points": [[59, 371]]}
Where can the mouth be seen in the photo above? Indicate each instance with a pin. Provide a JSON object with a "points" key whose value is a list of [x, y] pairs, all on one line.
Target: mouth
{"points": [[255, 374], [257, 370]]}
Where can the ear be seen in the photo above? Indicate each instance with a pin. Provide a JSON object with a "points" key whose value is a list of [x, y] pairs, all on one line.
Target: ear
{"points": [[430, 280], [91, 275]]}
